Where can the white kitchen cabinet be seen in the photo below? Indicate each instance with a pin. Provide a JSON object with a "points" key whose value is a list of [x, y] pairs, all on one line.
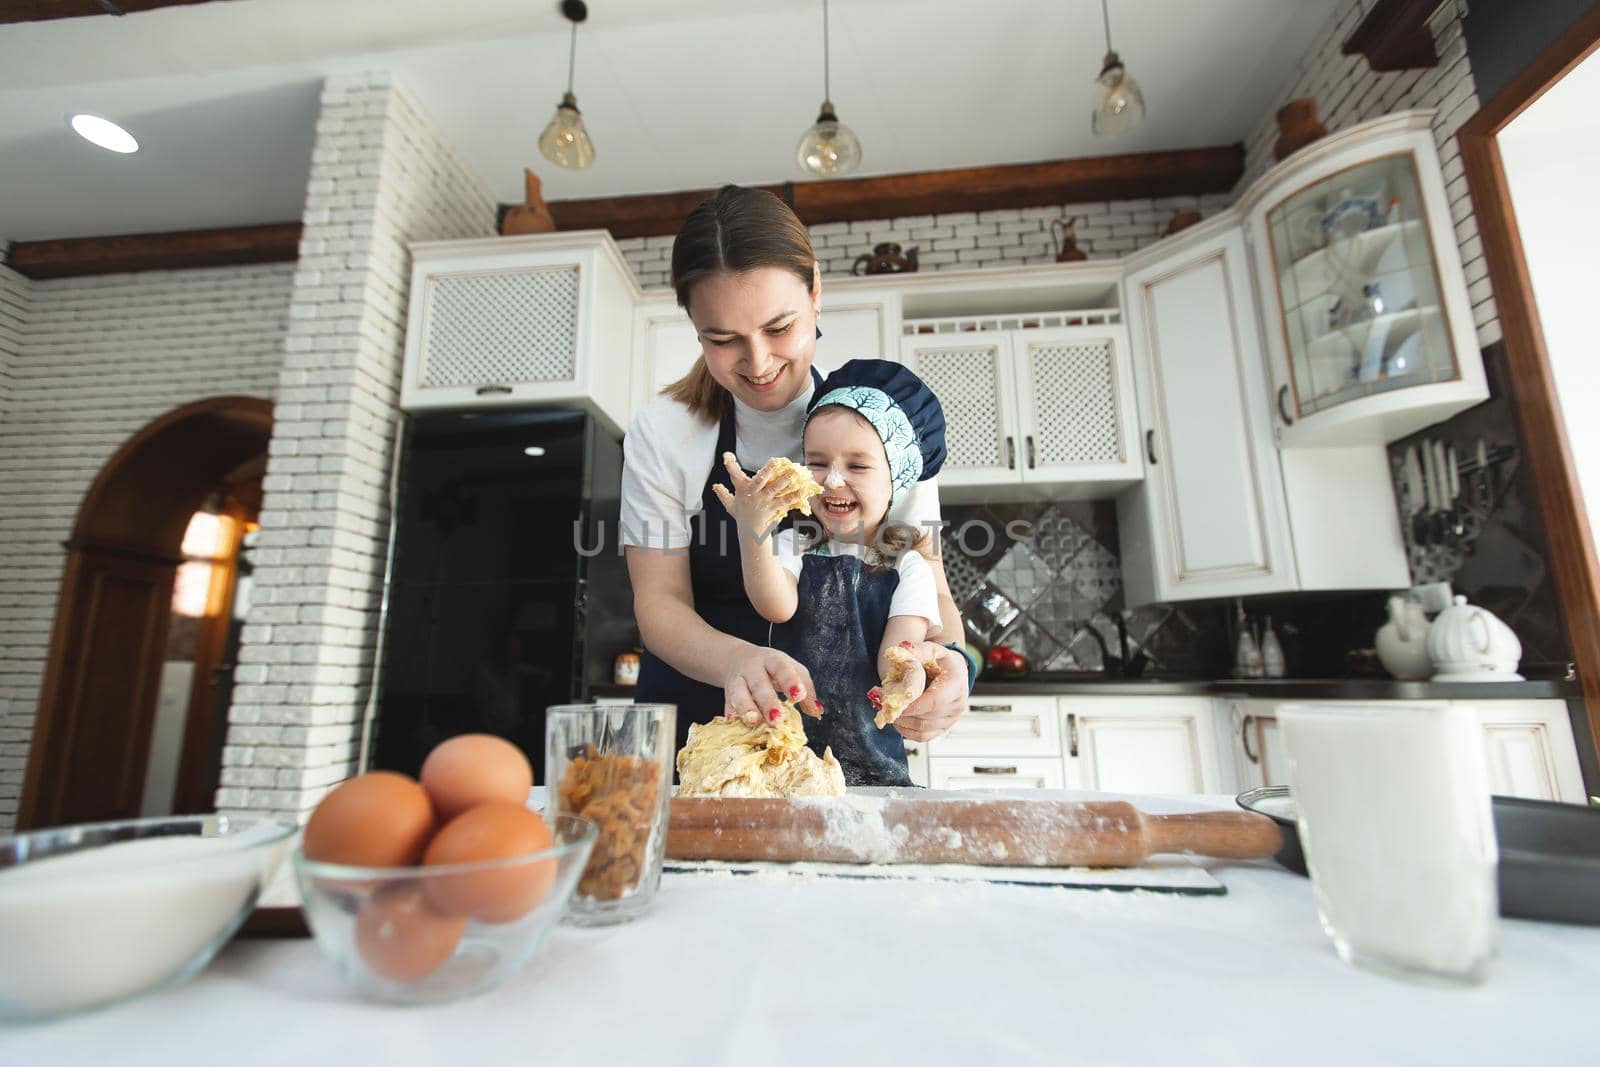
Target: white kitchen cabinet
{"points": [[1369, 328], [1012, 726], [538, 320], [1221, 511], [1257, 745], [1141, 744], [954, 772], [1030, 405], [1531, 749], [1209, 519], [917, 762], [856, 323]]}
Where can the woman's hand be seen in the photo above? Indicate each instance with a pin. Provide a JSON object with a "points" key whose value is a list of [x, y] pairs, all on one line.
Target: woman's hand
{"points": [[757, 502], [762, 680], [945, 699]]}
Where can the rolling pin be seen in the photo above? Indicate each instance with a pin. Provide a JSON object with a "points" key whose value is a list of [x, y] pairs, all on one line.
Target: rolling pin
{"points": [[990, 832]]}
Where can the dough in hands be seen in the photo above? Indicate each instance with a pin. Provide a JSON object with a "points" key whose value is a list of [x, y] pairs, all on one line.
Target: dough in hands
{"points": [[787, 477], [894, 695], [731, 759]]}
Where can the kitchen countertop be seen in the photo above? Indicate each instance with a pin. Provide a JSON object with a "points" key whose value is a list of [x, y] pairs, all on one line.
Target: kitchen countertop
{"points": [[731, 970], [1283, 688]]}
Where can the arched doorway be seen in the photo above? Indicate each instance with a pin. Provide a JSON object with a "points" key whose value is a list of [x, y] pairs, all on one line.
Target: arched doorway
{"points": [[91, 737]]}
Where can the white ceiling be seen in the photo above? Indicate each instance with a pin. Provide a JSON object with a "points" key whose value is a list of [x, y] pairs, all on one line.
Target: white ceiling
{"points": [[679, 95]]}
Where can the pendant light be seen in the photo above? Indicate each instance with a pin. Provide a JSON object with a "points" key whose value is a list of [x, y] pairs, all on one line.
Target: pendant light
{"points": [[828, 148], [1121, 103], [565, 142]]}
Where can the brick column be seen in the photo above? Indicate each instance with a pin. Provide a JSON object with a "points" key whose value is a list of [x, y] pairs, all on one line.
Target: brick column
{"points": [[380, 176]]}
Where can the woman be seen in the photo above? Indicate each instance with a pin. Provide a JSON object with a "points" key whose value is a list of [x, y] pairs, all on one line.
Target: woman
{"points": [[745, 273]]}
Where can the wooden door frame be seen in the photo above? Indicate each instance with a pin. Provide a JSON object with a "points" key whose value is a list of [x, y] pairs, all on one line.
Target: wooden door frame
{"points": [[1572, 550], [137, 510]]}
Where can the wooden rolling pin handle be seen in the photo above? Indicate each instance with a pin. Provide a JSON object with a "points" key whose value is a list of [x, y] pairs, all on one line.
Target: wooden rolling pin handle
{"points": [[1233, 835]]}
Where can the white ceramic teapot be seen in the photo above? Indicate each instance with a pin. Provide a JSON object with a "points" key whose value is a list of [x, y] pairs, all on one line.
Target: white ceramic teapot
{"points": [[1402, 642], [1468, 644]]}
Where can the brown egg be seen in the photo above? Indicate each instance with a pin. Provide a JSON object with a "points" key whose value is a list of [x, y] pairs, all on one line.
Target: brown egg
{"points": [[402, 939], [474, 769], [380, 819], [490, 832]]}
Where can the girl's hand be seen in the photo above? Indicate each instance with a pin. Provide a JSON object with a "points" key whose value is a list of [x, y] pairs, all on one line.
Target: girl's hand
{"points": [[757, 503], [943, 701], [758, 683]]}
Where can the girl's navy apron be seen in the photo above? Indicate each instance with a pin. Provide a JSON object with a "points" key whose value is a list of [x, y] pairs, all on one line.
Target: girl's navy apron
{"points": [[717, 580], [836, 630]]}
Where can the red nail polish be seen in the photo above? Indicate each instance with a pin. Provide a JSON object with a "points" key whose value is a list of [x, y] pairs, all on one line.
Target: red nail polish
{"points": [[794, 692], [774, 715]]}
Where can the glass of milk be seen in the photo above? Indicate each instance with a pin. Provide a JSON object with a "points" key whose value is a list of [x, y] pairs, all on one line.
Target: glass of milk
{"points": [[1394, 815]]}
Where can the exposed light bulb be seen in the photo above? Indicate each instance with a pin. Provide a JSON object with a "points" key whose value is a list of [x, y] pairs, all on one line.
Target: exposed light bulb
{"points": [[1121, 103], [829, 148], [565, 142]]}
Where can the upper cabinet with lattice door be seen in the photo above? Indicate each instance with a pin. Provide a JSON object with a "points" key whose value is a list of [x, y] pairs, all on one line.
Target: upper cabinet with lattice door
{"points": [[1031, 400], [546, 319]]}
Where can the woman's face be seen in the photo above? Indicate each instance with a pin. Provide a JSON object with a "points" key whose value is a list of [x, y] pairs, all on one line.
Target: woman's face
{"points": [[758, 329], [845, 454]]}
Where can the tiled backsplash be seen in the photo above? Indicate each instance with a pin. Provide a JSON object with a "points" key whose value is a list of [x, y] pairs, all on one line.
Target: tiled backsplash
{"points": [[1046, 579]]}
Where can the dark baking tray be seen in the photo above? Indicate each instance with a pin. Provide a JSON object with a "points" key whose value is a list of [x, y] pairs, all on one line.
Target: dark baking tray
{"points": [[1549, 853]]}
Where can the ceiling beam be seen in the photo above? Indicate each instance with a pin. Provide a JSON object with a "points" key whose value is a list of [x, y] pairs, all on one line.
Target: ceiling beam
{"points": [[1395, 35], [1189, 172], [277, 243], [45, 10]]}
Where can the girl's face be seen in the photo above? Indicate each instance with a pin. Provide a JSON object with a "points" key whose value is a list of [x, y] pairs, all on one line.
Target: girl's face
{"points": [[758, 330], [845, 454]]}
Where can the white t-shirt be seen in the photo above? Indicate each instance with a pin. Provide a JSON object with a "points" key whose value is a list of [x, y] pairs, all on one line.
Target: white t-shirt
{"points": [[668, 453], [917, 594]]}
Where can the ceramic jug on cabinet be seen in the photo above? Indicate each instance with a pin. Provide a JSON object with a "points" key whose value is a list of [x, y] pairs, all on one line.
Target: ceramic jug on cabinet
{"points": [[1402, 642], [1468, 644]]}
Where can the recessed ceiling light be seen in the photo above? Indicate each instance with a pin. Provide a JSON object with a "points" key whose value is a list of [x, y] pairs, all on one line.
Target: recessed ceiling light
{"points": [[533, 450], [103, 132]]}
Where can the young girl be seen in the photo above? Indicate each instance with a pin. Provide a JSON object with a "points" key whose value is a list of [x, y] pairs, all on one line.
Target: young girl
{"points": [[844, 591]]}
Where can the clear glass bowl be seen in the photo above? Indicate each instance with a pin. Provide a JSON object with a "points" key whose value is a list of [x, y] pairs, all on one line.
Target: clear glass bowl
{"points": [[99, 912], [417, 935]]}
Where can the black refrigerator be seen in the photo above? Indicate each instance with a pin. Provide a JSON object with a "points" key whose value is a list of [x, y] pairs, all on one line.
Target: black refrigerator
{"points": [[504, 526]]}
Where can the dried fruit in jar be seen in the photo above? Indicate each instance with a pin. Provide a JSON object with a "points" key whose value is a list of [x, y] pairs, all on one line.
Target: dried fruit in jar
{"points": [[621, 794]]}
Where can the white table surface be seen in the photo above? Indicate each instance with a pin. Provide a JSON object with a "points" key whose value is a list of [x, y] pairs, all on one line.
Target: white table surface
{"points": [[729, 970]]}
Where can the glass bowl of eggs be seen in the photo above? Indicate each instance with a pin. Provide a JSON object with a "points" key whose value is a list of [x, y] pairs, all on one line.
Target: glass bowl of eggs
{"points": [[427, 891]]}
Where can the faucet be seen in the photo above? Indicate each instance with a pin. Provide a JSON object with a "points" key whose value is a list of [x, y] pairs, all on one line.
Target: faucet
{"points": [[1119, 666]]}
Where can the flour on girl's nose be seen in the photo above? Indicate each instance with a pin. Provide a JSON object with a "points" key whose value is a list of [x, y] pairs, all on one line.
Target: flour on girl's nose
{"points": [[834, 480]]}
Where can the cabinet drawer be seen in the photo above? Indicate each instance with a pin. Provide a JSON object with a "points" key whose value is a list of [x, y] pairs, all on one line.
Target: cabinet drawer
{"points": [[952, 773], [1003, 726]]}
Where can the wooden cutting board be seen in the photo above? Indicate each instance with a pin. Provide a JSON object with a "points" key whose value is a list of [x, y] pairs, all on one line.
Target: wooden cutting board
{"points": [[986, 831]]}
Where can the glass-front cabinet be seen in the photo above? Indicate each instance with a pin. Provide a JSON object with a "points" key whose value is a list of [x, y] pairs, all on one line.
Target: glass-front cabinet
{"points": [[1369, 330]]}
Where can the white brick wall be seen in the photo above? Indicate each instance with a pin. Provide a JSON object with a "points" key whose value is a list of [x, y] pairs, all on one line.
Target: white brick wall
{"points": [[1348, 91], [968, 240], [380, 176], [14, 293], [98, 359]]}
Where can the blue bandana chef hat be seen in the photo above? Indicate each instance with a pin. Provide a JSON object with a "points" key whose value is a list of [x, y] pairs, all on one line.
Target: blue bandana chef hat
{"points": [[900, 407]]}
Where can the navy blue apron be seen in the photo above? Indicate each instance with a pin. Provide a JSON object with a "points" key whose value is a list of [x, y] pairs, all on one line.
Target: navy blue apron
{"points": [[836, 630], [716, 578]]}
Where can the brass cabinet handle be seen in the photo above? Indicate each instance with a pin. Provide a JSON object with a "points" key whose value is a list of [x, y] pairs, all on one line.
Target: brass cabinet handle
{"points": [[989, 708], [1029, 441], [1283, 395], [1011, 453], [995, 770], [912, 751], [1150, 446], [1244, 739]]}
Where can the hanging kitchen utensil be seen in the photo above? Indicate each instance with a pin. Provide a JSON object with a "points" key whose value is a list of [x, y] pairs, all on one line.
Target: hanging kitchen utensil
{"points": [[1422, 530], [1485, 495], [1458, 524], [1441, 519]]}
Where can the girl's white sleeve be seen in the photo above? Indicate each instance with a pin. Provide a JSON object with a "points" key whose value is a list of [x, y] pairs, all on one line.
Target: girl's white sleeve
{"points": [[786, 543], [918, 593]]}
